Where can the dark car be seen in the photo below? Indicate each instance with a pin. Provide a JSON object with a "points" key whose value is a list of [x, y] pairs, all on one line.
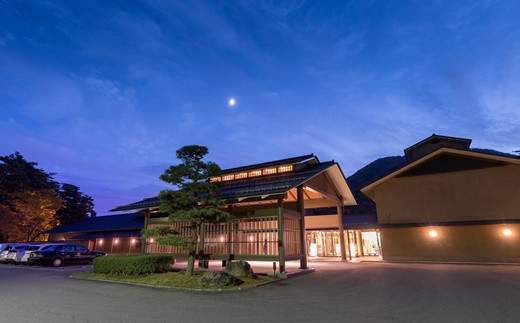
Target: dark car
{"points": [[63, 253]]}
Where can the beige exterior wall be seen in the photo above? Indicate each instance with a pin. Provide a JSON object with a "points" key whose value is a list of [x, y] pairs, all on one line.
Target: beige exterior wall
{"points": [[469, 243], [482, 194], [321, 222]]}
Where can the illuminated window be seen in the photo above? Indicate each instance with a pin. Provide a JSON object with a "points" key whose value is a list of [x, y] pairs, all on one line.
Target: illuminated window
{"points": [[283, 169], [268, 171], [255, 173], [228, 177], [240, 175], [215, 179]]}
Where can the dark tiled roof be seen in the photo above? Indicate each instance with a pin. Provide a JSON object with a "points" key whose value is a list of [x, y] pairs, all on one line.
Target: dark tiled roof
{"points": [[150, 202], [287, 161], [119, 222], [250, 187], [119, 234]]}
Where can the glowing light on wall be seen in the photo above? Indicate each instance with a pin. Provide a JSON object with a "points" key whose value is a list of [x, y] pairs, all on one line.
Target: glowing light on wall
{"points": [[133, 241], [100, 241], [151, 240], [117, 241], [507, 232], [432, 233], [251, 238], [221, 239]]}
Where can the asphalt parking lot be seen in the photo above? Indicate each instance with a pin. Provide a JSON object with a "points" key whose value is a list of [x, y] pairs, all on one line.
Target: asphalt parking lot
{"points": [[336, 292]]}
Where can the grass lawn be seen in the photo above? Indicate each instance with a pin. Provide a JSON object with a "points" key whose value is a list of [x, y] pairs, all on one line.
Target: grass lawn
{"points": [[174, 280]]}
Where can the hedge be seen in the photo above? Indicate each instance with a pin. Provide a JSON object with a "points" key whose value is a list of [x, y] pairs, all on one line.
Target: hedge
{"points": [[132, 264]]}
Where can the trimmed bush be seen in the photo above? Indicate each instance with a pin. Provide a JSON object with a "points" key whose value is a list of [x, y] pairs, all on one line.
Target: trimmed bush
{"points": [[133, 264]]}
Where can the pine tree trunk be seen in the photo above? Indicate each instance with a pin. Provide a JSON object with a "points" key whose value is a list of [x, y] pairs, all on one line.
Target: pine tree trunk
{"points": [[191, 264], [191, 257]]}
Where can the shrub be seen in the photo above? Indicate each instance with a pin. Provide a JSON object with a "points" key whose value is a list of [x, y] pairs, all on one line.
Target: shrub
{"points": [[132, 264]]}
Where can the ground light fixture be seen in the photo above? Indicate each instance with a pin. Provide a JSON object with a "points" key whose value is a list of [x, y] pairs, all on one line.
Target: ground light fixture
{"points": [[507, 232], [432, 233]]}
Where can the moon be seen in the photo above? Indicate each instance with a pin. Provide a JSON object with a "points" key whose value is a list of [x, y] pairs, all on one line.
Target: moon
{"points": [[232, 102]]}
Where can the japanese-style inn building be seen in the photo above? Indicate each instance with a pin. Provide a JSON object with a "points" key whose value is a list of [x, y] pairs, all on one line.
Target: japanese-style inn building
{"points": [[268, 201], [447, 203], [450, 203]]}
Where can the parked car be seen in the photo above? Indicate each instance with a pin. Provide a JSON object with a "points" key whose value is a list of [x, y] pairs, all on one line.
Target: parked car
{"points": [[57, 255], [33, 248], [16, 253], [4, 249]]}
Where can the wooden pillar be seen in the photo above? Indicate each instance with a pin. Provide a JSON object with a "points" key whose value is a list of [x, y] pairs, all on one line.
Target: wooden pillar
{"points": [[202, 231], [379, 251], [356, 244], [341, 235], [281, 251], [146, 219], [230, 246], [348, 245], [303, 237]]}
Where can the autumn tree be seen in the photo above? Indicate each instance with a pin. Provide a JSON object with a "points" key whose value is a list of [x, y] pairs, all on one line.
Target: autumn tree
{"points": [[33, 213], [30, 199], [25, 191], [196, 201]]}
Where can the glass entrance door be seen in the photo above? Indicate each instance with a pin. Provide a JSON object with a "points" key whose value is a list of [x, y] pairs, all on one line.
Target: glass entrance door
{"points": [[323, 244]]}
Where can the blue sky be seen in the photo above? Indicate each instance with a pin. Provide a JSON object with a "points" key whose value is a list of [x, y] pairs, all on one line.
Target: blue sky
{"points": [[104, 92]]}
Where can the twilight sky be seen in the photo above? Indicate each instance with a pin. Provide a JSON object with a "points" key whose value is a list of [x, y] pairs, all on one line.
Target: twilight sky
{"points": [[104, 92]]}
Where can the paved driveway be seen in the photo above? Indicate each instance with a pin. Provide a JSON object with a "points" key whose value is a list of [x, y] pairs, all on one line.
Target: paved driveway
{"points": [[338, 292]]}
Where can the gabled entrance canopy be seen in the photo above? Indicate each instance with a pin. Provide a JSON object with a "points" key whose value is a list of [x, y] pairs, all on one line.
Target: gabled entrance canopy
{"points": [[323, 185]]}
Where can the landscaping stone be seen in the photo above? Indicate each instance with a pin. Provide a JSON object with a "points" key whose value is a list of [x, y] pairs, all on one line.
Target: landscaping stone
{"points": [[218, 278], [240, 269]]}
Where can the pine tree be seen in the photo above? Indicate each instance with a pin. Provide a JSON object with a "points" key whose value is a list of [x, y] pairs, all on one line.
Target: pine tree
{"points": [[196, 201]]}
